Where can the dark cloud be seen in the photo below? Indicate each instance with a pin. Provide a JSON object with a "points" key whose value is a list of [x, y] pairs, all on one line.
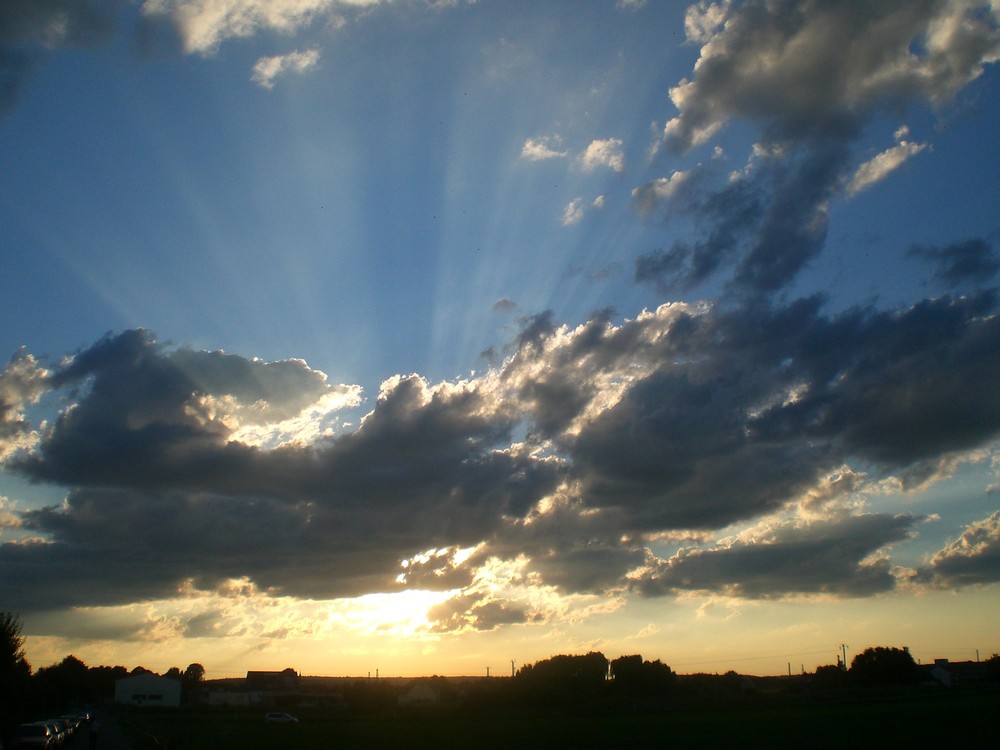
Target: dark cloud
{"points": [[113, 547], [504, 305], [810, 75], [764, 227], [733, 414], [30, 28], [675, 454], [158, 35], [973, 558], [151, 419], [145, 421], [727, 219], [973, 260], [160, 489], [536, 327], [816, 71], [212, 624], [55, 23], [590, 567], [792, 228], [436, 570], [822, 558], [119, 546], [472, 612], [908, 385], [688, 417]]}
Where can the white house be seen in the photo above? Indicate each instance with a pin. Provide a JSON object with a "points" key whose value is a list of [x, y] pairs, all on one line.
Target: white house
{"points": [[148, 689], [419, 695]]}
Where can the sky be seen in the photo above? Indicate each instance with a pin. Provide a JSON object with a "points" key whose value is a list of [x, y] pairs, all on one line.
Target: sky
{"points": [[430, 336]]}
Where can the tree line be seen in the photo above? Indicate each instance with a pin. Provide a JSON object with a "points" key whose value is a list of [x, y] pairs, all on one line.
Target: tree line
{"points": [[560, 682], [25, 693]]}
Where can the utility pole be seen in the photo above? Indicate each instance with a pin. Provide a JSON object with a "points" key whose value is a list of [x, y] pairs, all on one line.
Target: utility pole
{"points": [[487, 671], [512, 668], [843, 648]]}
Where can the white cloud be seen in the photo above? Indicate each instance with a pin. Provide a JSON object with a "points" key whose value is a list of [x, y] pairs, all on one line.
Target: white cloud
{"points": [[818, 68], [973, 558], [22, 382], [267, 69], [704, 19], [203, 24], [545, 147], [651, 195], [8, 514], [573, 212], [877, 168], [310, 425], [603, 153]]}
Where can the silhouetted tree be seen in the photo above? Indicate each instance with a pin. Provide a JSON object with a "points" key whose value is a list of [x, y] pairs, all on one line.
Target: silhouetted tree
{"points": [[194, 673], [992, 668], [632, 675], [101, 681], [563, 680], [883, 665], [625, 669], [15, 672], [191, 681], [63, 683]]}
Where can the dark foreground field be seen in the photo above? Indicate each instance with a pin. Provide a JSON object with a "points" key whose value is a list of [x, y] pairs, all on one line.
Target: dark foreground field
{"points": [[915, 720]]}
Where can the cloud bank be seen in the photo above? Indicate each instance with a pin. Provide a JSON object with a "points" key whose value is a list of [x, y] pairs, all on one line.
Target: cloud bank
{"points": [[810, 77], [688, 418]]}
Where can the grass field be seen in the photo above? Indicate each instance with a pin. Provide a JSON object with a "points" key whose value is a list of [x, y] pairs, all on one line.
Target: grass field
{"points": [[916, 720]]}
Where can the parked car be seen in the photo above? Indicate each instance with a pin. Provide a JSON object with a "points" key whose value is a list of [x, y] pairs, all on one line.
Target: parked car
{"points": [[36, 735], [277, 717], [58, 735], [64, 728]]}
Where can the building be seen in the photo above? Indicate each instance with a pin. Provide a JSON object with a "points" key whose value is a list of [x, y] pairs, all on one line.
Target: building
{"points": [[228, 696], [148, 689], [273, 688], [950, 673], [419, 694]]}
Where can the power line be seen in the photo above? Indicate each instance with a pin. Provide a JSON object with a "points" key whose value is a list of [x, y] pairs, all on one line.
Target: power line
{"points": [[776, 655]]}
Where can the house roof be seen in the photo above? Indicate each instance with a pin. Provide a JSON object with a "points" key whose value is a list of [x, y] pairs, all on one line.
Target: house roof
{"points": [[287, 679]]}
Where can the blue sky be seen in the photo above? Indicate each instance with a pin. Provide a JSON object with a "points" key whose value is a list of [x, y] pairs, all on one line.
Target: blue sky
{"points": [[413, 334]]}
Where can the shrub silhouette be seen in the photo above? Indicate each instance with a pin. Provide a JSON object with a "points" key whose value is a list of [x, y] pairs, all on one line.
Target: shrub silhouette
{"points": [[562, 680], [634, 676], [884, 665]]}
